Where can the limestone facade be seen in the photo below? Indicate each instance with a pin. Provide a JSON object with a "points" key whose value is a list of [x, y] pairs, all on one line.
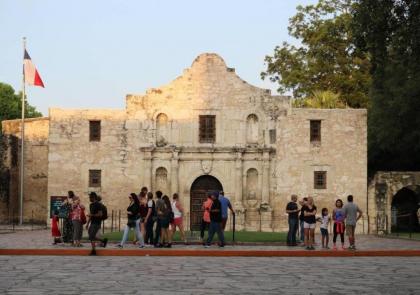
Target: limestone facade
{"points": [[261, 153]]}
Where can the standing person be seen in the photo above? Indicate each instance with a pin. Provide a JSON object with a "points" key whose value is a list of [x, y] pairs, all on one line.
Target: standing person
{"points": [[352, 214], [309, 212], [338, 228], [93, 224], [293, 211], [55, 232], [215, 221], [225, 203], [65, 214], [133, 218], [325, 221], [77, 215], [164, 211], [150, 218], [301, 220], [143, 213], [159, 205], [205, 221], [178, 211]]}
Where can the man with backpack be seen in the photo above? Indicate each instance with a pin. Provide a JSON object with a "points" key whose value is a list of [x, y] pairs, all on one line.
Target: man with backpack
{"points": [[160, 205], [150, 217], [98, 213]]}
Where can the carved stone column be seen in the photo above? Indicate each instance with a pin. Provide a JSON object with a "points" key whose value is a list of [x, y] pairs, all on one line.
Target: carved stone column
{"points": [[174, 171], [148, 155], [239, 199], [265, 207]]}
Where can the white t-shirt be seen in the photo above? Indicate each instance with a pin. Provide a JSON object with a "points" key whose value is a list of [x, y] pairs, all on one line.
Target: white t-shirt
{"points": [[176, 211], [324, 221]]}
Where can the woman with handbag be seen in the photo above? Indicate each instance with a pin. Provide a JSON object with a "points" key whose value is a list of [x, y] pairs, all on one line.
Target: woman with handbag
{"points": [[132, 221]]}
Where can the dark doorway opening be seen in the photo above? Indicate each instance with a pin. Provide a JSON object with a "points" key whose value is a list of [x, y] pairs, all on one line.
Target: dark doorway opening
{"points": [[404, 207], [200, 189]]}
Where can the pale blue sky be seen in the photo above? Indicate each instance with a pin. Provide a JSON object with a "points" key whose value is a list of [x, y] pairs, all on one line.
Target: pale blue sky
{"points": [[90, 54]]}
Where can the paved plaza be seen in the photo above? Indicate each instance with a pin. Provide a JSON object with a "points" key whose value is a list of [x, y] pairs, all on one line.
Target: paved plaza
{"points": [[210, 275]]}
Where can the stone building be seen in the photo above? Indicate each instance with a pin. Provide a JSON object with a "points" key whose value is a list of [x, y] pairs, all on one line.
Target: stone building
{"points": [[206, 130]]}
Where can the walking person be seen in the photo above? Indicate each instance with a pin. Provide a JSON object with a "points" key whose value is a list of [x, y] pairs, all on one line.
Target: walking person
{"points": [[164, 211], [143, 214], [78, 218], [215, 221], [133, 218], [325, 221], [160, 205], [65, 214], [301, 220], [93, 224], [225, 203], [205, 221], [309, 213], [150, 218], [178, 211], [338, 227], [352, 214], [293, 211]]}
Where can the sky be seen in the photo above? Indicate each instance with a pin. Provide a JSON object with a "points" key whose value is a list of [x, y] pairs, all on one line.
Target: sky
{"points": [[90, 54]]}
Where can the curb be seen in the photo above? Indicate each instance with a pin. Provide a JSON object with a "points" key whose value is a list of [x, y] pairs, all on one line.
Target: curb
{"points": [[211, 252]]}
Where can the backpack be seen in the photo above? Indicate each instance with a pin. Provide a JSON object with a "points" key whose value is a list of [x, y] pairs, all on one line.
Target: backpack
{"points": [[104, 212], [83, 216]]}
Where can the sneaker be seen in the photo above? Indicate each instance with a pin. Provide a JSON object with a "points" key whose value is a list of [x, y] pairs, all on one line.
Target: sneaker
{"points": [[327, 248], [221, 245], [105, 242], [206, 246], [343, 248], [92, 253], [308, 248], [312, 248], [119, 246], [141, 246], [334, 247]]}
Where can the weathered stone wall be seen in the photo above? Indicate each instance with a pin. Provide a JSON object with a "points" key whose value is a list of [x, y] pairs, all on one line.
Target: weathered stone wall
{"points": [[342, 152], [36, 170]]}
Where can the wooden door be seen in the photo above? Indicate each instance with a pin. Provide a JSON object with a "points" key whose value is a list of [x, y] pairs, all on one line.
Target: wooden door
{"points": [[200, 189]]}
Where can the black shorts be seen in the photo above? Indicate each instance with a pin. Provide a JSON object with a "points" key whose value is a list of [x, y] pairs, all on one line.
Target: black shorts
{"points": [[93, 231], [324, 232]]}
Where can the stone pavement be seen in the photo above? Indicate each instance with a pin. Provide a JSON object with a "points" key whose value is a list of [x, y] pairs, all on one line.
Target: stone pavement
{"points": [[207, 275], [41, 239]]}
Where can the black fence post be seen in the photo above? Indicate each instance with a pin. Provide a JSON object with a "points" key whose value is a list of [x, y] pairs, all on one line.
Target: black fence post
{"points": [[119, 220], [233, 228], [32, 220], [103, 226], [112, 220]]}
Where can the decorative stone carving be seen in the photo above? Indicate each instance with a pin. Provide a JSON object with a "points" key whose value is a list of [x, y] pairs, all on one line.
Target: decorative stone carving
{"points": [[206, 166]]}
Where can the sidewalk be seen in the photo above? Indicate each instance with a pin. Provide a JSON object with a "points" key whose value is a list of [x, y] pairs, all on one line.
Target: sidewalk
{"points": [[39, 242]]}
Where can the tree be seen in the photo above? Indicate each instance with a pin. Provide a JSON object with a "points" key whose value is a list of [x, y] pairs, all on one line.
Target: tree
{"points": [[326, 60], [320, 100], [389, 31], [10, 104]]}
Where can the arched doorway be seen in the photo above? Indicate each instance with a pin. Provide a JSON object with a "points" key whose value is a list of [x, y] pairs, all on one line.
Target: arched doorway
{"points": [[200, 189], [404, 206]]}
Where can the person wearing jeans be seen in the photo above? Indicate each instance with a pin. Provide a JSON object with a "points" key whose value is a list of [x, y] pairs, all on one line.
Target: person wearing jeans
{"points": [[293, 211], [133, 221], [301, 221], [215, 221]]}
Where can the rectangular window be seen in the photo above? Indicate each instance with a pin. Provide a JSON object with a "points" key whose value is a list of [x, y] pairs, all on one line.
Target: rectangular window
{"points": [[95, 130], [315, 130], [207, 132], [320, 179], [273, 135], [94, 178]]}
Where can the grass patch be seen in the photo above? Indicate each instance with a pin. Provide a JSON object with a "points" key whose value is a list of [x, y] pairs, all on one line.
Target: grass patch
{"points": [[406, 235], [240, 236]]}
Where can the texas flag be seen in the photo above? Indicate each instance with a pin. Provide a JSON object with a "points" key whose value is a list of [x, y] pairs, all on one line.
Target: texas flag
{"points": [[29, 71]]}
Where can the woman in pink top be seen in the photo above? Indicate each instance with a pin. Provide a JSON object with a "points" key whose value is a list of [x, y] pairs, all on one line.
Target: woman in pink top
{"points": [[205, 222], [77, 220]]}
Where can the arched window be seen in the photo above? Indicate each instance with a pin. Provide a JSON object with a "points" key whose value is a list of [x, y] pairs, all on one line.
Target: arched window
{"points": [[162, 129], [161, 182], [252, 129], [252, 183]]}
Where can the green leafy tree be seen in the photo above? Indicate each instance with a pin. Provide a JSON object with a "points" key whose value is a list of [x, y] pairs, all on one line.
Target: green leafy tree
{"points": [[326, 60], [389, 31], [320, 100], [10, 104]]}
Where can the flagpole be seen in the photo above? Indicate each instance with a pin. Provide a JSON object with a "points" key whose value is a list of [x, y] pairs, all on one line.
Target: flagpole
{"points": [[22, 137]]}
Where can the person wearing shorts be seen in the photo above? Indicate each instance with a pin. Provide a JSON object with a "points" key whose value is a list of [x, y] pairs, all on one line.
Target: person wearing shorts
{"points": [[177, 222], [309, 212], [94, 222], [352, 214]]}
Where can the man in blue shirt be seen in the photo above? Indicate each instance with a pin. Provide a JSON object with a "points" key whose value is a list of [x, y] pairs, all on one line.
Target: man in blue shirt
{"points": [[225, 205]]}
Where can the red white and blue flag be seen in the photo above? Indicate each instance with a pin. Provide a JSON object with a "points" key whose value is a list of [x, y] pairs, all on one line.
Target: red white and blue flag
{"points": [[30, 73]]}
